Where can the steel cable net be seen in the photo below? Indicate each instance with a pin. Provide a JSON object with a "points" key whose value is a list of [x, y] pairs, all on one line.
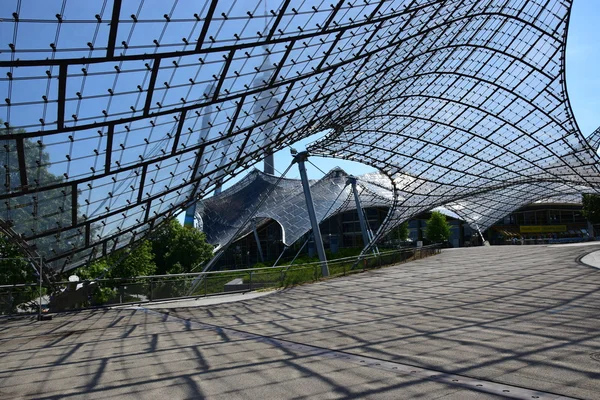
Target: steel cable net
{"points": [[477, 105], [117, 114]]}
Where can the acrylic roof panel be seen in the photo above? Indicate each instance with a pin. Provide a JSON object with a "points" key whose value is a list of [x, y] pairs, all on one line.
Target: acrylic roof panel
{"points": [[474, 115], [575, 199], [483, 210], [229, 215], [118, 113]]}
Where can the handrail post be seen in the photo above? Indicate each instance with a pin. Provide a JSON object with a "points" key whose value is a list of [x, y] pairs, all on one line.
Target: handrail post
{"points": [[40, 300]]}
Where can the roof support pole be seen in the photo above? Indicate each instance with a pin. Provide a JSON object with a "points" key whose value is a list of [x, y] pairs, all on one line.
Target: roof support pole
{"points": [[300, 158], [361, 215], [483, 241], [371, 237]]}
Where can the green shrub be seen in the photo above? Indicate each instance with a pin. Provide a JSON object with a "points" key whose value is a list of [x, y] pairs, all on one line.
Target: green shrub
{"points": [[298, 276]]}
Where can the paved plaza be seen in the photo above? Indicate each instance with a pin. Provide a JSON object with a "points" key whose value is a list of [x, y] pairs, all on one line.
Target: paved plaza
{"points": [[475, 323]]}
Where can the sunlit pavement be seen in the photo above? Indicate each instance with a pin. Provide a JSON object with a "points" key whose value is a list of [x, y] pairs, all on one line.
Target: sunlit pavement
{"points": [[203, 301], [485, 322]]}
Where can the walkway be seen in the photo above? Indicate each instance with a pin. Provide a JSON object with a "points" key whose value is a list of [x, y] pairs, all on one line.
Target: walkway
{"points": [[592, 259], [486, 322]]}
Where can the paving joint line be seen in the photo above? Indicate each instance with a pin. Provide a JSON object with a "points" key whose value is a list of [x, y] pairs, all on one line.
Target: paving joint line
{"points": [[462, 381]]}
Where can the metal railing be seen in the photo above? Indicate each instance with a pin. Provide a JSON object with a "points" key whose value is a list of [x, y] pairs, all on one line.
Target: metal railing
{"points": [[16, 299]]}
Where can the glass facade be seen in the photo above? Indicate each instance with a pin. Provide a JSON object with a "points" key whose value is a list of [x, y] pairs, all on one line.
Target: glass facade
{"points": [[542, 222]]}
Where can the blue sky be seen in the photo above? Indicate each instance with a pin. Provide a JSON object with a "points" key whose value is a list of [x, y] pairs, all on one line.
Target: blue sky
{"points": [[583, 59]]}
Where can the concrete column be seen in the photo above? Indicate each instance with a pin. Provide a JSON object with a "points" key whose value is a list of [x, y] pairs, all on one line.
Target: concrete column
{"points": [[300, 158]]}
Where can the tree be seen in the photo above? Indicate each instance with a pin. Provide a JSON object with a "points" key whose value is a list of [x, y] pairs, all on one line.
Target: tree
{"points": [[591, 208], [178, 249], [399, 234], [39, 211], [171, 249], [124, 263], [189, 249], [437, 229], [401, 231], [139, 262], [162, 240], [15, 269], [116, 268]]}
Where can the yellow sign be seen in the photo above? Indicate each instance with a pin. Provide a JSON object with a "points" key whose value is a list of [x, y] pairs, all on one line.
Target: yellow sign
{"points": [[542, 228]]}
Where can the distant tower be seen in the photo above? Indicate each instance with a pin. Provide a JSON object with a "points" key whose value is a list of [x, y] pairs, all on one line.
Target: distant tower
{"points": [[188, 221], [264, 106], [269, 167]]}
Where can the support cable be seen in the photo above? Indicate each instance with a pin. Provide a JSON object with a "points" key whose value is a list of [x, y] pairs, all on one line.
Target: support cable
{"points": [[386, 222], [299, 251], [311, 163], [281, 255], [320, 221]]}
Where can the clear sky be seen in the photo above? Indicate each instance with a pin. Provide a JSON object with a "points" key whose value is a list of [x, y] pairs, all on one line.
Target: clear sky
{"points": [[583, 61]]}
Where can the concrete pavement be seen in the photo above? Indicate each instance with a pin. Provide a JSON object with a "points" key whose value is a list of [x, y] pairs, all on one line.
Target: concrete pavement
{"points": [[521, 317]]}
